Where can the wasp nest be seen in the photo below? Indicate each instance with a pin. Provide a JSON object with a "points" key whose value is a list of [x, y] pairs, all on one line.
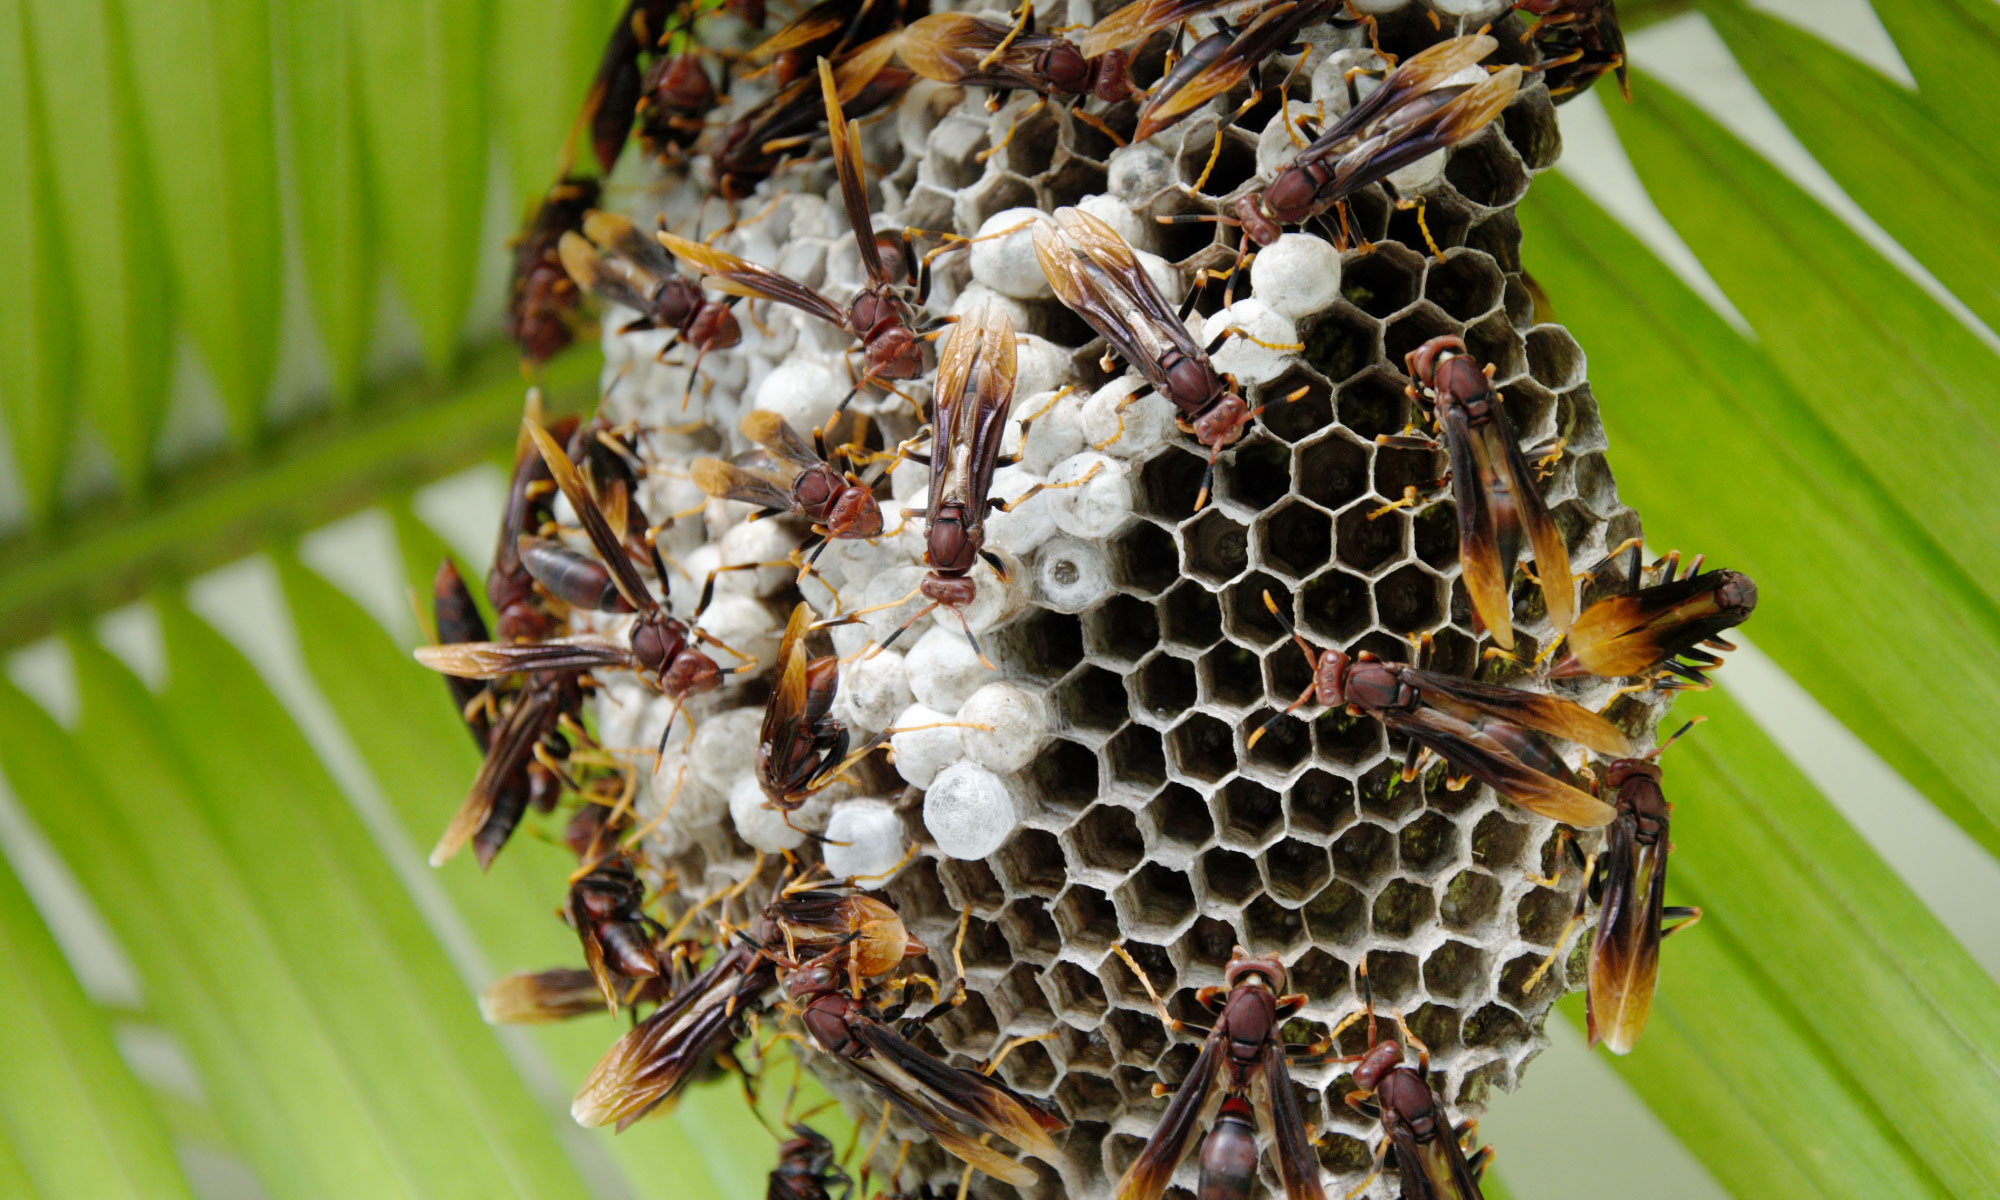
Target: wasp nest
{"points": [[1106, 794]]}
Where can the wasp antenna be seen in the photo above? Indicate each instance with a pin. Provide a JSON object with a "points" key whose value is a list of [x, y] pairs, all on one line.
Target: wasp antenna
{"points": [[1678, 734]]}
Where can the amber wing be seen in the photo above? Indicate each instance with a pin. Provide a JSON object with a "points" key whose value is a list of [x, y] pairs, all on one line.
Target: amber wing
{"points": [[1397, 145], [853, 179], [1461, 744], [1149, 1174], [1138, 21], [1625, 954], [727, 481], [1298, 1166], [1552, 715], [526, 720], [952, 48], [1097, 275], [610, 546], [740, 277], [1415, 75], [782, 726], [492, 660], [1433, 1170], [1268, 33], [1488, 535], [654, 1059]]}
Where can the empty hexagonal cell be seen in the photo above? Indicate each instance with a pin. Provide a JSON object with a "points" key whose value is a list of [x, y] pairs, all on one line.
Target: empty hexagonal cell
{"points": [[1498, 234], [1530, 410], [1381, 282], [1385, 794], [1028, 929], [1064, 775], [1170, 482], [1338, 915], [1033, 145], [1076, 993], [1190, 616], [1137, 1038], [1361, 855], [1493, 1025], [1086, 918], [1514, 988], [1229, 875], [1136, 757], [1437, 1025], [1124, 985], [1346, 738], [1091, 698], [1294, 540], [1375, 403], [1297, 420], [1365, 538], [1086, 1097], [1070, 183], [1434, 533], [1554, 358], [1319, 974], [1541, 915], [1165, 686], [1294, 871], [1229, 675], [1497, 841], [1392, 975], [1206, 946], [1445, 217], [1248, 814], [1143, 558], [1345, 1155], [1486, 172], [1271, 928], [1400, 907], [1340, 341], [1413, 329], [1031, 861], [1318, 804], [1121, 627], [1257, 473], [1178, 817], [1332, 470], [1493, 341], [968, 1027], [1466, 285], [1454, 971], [1028, 1068], [1156, 901], [1427, 843], [1106, 838], [1283, 742], [1469, 901], [1046, 643], [1019, 999], [986, 946], [999, 194], [1214, 548], [1335, 607], [1202, 748], [1234, 162], [972, 885], [1530, 125]]}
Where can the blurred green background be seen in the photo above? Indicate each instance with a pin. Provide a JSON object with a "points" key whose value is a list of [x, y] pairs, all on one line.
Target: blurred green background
{"points": [[253, 386]]}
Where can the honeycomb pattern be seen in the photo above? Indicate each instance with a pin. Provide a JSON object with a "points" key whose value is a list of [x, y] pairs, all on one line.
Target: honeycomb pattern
{"points": [[1144, 817]]}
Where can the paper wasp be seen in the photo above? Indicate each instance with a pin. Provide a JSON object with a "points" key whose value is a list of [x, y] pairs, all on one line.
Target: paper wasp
{"points": [[1239, 1074], [807, 1169], [805, 482], [755, 145], [542, 301], [1218, 62], [826, 30], [607, 910], [1499, 504], [613, 260], [1660, 628], [1577, 42], [1480, 730]]}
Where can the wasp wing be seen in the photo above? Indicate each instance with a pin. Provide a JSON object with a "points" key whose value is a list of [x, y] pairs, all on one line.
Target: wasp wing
{"points": [[654, 1059], [776, 436], [985, 417], [1471, 752], [1486, 551], [1267, 34], [1625, 954], [1435, 1169], [610, 545], [1298, 1166], [1139, 20], [853, 179], [727, 481], [492, 660], [1395, 145], [954, 48], [1096, 274], [1149, 1174], [1633, 633], [965, 1098], [778, 740], [526, 720], [726, 272], [1552, 715]]}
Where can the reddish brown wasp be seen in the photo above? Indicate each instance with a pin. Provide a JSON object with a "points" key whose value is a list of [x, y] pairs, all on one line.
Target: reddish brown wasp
{"points": [[1430, 1156], [1482, 731], [1217, 63], [613, 260], [607, 910], [542, 301], [955, 1106], [675, 99], [825, 31], [1659, 628], [1578, 41], [838, 503], [1096, 274], [802, 747], [1628, 880], [1415, 112], [613, 98], [754, 146], [520, 611], [878, 315], [650, 1064], [1242, 1066], [807, 1169], [658, 647], [1498, 502]]}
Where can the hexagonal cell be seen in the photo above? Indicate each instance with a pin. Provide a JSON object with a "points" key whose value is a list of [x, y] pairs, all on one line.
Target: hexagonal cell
{"points": [[1228, 875], [1124, 985], [1284, 742], [1144, 558], [1271, 928], [1000, 194], [1384, 793], [1106, 838], [1214, 548], [1297, 420], [1494, 1025], [1554, 358], [1202, 748], [1045, 642], [1454, 971], [1340, 341], [1165, 686], [1137, 1038], [1400, 907], [1446, 217], [1136, 757], [1019, 999], [1437, 1025], [1294, 870], [1345, 1155], [1169, 482], [1256, 474], [1229, 675], [1513, 984], [1206, 946], [1027, 927], [1318, 804], [1470, 900], [1335, 607], [1032, 147], [1374, 404], [1030, 861], [1070, 183], [1235, 163], [1498, 234], [1076, 994], [1319, 974], [1522, 309], [1156, 901], [1064, 775], [1434, 534], [1121, 627], [1486, 172], [1383, 281], [1332, 470], [1294, 539], [1427, 843], [1338, 914], [972, 885], [1530, 125], [1413, 329], [1086, 918], [1392, 975], [1347, 739], [1248, 814], [1466, 285], [1497, 841], [1364, 540], [1190, 616], [1086, 1097], [1178, 817], [1091, 698], [1494, 341], [967, 1026], [1361, 854], [986, 947], [1541, 915]]}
